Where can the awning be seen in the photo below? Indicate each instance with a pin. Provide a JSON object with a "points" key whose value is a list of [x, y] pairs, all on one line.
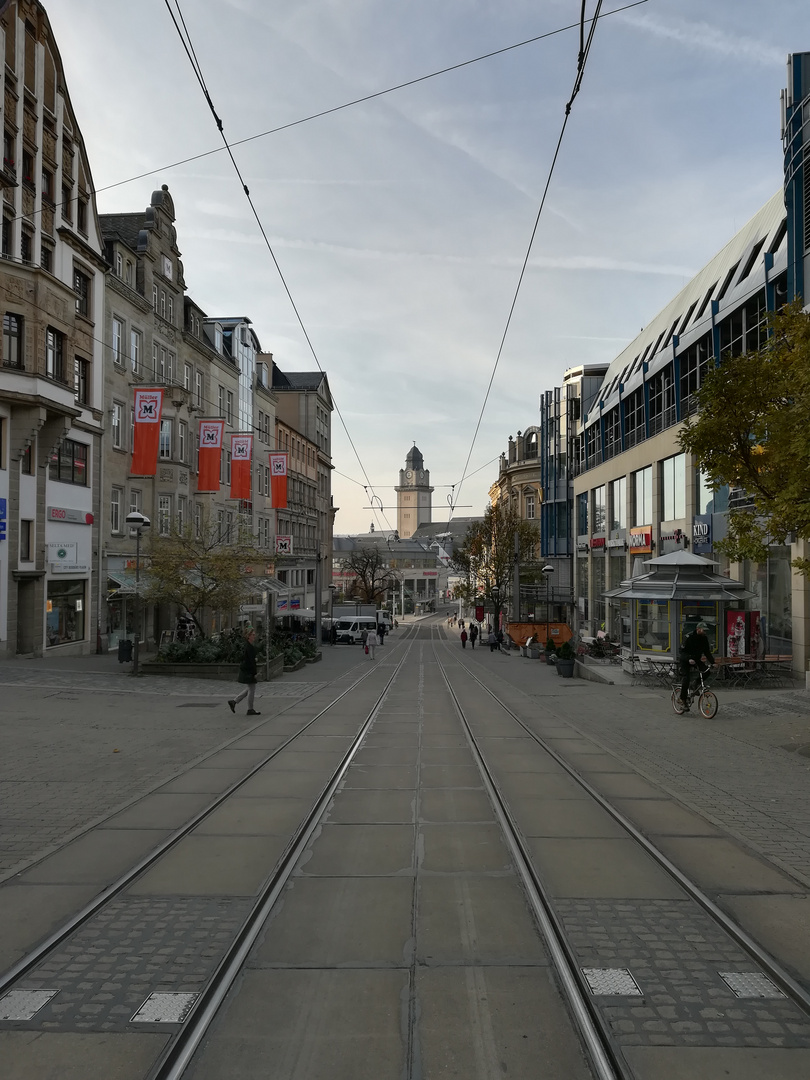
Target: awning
{"points": [[123, 583]]}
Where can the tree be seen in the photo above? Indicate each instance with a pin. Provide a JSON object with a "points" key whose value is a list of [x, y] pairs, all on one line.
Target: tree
{"points": [[752, 431], [487, 556], [197, 572], [373, 576]]}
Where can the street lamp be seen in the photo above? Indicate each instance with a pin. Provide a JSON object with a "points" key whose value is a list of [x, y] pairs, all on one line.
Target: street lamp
{"points": [[332, 589], [547, 571], [137, 521]]}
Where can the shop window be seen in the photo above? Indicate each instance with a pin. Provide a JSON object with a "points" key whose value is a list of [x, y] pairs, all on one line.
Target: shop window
{"points": [[652, 625], [65, 612], [695, 611]]}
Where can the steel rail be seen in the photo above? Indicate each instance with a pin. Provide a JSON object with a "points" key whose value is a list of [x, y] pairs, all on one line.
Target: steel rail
{"points": [[601, 1049], [56, 937], [795, 991], [176, 1057]]}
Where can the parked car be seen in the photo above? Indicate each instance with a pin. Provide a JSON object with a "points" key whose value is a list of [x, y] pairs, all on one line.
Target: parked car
{"points": [[349, 629]]}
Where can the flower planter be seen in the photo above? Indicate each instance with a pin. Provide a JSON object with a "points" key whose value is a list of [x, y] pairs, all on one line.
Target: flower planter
{"points": [[565, 668]]}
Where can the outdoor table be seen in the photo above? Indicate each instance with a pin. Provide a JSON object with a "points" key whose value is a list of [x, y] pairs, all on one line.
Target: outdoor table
{"points": [[751, 670], [662, 669]]}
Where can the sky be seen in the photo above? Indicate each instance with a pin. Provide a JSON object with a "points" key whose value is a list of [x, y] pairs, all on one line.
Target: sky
{"points": [[401, 224]]}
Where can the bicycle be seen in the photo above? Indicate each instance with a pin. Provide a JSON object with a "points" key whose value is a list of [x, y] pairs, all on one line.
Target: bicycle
{"points": [[707, 699]]}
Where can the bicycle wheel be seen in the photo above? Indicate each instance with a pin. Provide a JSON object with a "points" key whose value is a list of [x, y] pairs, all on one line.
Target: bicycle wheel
{"points": [[677, 704], [708, 704]]}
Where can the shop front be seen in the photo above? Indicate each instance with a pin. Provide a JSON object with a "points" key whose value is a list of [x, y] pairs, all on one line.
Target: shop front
{"points": [[65, 612]]}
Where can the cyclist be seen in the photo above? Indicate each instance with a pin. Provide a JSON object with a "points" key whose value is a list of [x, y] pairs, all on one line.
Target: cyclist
{"points": [[695, 647]]}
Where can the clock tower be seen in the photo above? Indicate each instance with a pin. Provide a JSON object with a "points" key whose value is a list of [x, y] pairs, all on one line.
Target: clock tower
{"points": [[414, 507]]}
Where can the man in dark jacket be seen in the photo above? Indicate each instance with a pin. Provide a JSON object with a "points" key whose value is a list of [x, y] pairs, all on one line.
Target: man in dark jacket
{"points": [[248, 670], [695, 648]]}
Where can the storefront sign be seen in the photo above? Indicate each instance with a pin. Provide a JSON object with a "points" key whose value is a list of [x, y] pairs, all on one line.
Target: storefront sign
{"points": [[582, 545], [66, 554], [74, 568], [702, 533], [284, 545], [3, 512], [641, 540], [597, 542], [619, 543], [67, 513]]}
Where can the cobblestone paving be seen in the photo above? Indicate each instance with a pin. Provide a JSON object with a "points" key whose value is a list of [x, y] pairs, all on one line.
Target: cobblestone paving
{"points": [[106, 970], [675, 953]]}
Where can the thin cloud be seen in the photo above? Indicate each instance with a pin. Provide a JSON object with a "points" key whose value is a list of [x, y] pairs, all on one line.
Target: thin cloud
{"points": [[704, 37]]}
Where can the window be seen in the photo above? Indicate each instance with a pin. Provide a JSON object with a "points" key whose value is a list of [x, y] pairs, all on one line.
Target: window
{"points": [[582, 514], [221, 400], [8, 232], [81, 286], [119, 264], [229, 408], [594, 444], [662, 399], [673, 487], [694, 362], [27, 459], [116, 500], [599, 509], [28, 168], [46, 258], [197, 520], [198, 389], [613, 433], [128, 272], [12, 340], [187, 377], [171, 309], [66, 611], [68, 463], [164, 515], [227, 466], [134, 501], [161, 369], [642, 492], [67, 212], [530, 507], [118, 341], [154, 359], [618, 503], [165, 449], [155, 297], [116, 425], [26, 246], [54, 363], [182, 430], [634, 425], [81, 215], [652, 625], [181, 514], [9, 153], [135, 351], [706, 500], [163, 303], [170, 367], [82, 380], [26, 540]]}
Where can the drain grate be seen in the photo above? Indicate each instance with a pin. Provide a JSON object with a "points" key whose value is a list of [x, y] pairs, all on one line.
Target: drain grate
{"points": [[23, 1004], [164, 1008], [612, 982], [751, 984]]}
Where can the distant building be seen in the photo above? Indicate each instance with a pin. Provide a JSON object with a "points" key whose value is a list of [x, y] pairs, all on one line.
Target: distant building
{"points": [[414, 505]]}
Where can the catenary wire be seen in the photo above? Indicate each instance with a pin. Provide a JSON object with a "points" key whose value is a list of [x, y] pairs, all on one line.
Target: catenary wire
{"points": [[192, 60], [581, 61]]}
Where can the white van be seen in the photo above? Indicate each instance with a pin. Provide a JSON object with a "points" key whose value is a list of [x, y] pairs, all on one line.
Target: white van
{"points": [[350, 627]]}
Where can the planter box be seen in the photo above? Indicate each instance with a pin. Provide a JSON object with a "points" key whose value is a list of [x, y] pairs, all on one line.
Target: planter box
{"points": [[223, 672], [315, 659], [565, 668], [296, 666]]}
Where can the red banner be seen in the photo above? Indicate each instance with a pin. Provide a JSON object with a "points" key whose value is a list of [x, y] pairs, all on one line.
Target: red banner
{"points": [[210, 454], [148, 407], [241, 457], [278, 481]]}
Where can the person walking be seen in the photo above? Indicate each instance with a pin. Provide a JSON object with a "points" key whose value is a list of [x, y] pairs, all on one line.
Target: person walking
{"points": [[248, 669], [492, 641], [464, 639], [369, 641], [473, 635], [381, 632], [695, 648]]}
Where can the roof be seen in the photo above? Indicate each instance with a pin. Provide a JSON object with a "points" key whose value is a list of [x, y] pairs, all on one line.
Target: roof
{"points": [[125, 227], [730, 277], [680, 575], [297, 380]]}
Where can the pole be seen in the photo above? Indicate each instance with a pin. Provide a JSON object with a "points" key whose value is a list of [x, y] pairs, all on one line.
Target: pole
{"points": [[318, 600], [267, 596], [516, 580], [548, 607], [137, 601]]}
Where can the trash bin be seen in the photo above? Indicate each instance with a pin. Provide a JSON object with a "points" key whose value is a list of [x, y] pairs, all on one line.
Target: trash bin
{"points": [[124, 651]]}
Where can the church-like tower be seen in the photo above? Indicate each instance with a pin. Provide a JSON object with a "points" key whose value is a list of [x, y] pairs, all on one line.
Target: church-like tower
{"points": [[414, 505]]}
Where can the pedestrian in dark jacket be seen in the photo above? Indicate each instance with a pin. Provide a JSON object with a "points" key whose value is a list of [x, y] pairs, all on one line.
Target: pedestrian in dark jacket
{"points": [[492, 641], [248, 670], [473, 635], [464, 639], [695, 648]]}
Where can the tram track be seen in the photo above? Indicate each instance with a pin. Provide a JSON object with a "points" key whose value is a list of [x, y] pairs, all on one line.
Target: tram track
{"points": [[36, 956], [607, 1060]]}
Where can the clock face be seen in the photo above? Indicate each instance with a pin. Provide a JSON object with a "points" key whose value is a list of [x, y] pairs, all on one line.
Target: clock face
{"points": [[409, 474]]}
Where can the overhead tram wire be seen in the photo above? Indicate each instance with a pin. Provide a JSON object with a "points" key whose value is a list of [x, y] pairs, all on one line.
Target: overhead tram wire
{"points": [[189, 50], [366, 97], [584, 50]]}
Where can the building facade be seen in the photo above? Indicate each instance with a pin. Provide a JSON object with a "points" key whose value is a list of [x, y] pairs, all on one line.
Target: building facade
{"points": [[51, 388]]}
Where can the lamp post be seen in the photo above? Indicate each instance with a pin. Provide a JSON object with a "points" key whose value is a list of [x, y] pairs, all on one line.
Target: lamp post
{"points": [[547, 572], [137, 521], [331, 612]]}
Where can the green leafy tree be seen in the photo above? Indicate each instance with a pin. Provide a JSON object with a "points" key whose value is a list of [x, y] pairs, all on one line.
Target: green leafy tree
{"points": [[486, 557], [200, 572], [752, 431]]}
